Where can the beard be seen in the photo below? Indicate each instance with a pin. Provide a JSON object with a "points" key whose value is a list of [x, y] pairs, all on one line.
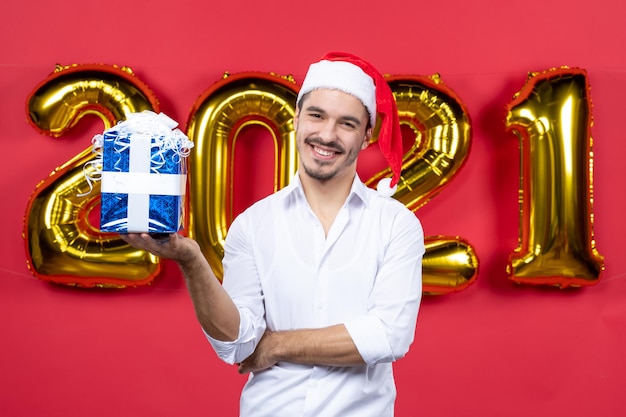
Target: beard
{"points": [[319, 173], [323, 170]]}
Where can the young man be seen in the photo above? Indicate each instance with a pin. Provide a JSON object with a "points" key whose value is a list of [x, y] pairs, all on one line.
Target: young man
{"points": [[322, 280]]}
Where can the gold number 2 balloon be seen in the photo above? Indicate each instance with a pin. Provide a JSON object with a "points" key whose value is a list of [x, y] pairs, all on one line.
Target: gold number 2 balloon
{"points": [[442, 132], [61, 245], [551, 115]]}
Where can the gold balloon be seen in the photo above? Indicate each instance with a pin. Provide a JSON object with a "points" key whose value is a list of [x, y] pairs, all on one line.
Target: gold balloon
{"points": [[217, 117], [441, 146], [442, 131], [449, 265], [551, 115], [62, 246]]}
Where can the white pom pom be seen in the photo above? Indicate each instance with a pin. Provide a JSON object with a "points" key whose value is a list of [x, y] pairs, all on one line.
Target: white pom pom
{"points": [[384, 188]]}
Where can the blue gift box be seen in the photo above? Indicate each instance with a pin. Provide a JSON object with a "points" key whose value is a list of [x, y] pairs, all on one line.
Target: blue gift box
{"points": [[143, 179]]}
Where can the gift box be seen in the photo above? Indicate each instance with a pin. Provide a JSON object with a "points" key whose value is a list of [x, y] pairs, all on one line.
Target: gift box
{"points": [[144, 175]]}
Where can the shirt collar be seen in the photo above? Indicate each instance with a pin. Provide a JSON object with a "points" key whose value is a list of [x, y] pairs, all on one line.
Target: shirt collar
{"points": [[358, 189]]}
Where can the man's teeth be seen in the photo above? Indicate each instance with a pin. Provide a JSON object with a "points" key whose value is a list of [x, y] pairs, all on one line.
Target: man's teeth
{"points": [[323, 152]]}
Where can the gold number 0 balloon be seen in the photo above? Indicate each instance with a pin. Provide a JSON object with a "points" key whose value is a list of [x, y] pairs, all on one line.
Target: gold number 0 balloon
{"points": [[442, 131], [61, 245], [217, 117], [551, 115]]}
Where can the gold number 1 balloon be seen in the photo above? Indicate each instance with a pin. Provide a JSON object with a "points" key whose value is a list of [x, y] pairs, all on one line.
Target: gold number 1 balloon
{"points": [[61, 245], [551, 115]]}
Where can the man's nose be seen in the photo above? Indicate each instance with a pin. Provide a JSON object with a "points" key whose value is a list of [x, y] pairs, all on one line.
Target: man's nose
{"points": [[328, 130]]}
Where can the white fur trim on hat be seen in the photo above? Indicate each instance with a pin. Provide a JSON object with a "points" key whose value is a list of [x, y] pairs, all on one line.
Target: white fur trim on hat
{"points": [[342, 76]]}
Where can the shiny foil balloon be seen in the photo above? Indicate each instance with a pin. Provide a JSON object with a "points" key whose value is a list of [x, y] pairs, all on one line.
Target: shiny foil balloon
{"points": [[450, 264], [442, 138], [216, 120], [551, 115], [61, 244], [440, 147]]}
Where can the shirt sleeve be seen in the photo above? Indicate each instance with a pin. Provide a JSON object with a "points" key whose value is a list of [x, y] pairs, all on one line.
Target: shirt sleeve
{"points": [[388, 329], [242, 283]]}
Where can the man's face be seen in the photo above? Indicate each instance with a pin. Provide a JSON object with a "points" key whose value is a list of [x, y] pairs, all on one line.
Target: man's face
{"points": [[331, 130]]}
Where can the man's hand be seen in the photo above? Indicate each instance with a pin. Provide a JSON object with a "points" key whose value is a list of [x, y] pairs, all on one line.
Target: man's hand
{"points": [[175, 247], [327, 346], [264, 355]]}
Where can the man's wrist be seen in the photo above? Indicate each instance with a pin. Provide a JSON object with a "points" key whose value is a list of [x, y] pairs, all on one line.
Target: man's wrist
{"points": [[189, 257]]}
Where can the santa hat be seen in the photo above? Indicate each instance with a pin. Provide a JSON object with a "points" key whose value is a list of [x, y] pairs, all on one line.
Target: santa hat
{"points": [[353, 75]]}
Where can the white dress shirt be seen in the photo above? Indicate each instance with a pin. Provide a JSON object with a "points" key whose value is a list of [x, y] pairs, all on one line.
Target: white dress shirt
{"points": [[284, 273]]}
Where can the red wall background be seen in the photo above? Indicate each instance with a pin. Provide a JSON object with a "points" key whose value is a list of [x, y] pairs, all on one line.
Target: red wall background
{"points": [[495, 349]]}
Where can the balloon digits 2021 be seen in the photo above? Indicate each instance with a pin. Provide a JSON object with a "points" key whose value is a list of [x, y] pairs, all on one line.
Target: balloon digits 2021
{"points": [[63, 247]]}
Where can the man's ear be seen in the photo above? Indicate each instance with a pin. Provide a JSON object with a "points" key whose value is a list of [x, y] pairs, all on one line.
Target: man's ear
{"points": [[367, 138]]}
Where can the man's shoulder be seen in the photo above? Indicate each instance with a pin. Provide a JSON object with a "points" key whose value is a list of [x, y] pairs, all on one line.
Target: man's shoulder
{"points": [[382, 202], [391, 211]]}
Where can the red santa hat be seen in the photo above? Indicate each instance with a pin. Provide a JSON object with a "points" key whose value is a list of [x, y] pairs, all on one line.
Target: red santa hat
{"points": [[352, 75]]}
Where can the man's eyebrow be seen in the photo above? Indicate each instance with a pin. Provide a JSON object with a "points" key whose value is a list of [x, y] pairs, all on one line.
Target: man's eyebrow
{"points": [[346, 118], [315, 109], [352, 119]]}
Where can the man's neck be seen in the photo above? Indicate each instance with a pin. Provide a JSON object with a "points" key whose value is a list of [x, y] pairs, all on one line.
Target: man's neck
{"points": [[326, 197]]}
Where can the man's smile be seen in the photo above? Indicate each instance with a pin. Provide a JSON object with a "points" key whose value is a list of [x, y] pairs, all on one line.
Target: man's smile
{"points": [[323, 152]]}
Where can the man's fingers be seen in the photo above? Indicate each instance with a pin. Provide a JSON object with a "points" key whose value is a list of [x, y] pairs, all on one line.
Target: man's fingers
{"points": [[144, 241]]}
